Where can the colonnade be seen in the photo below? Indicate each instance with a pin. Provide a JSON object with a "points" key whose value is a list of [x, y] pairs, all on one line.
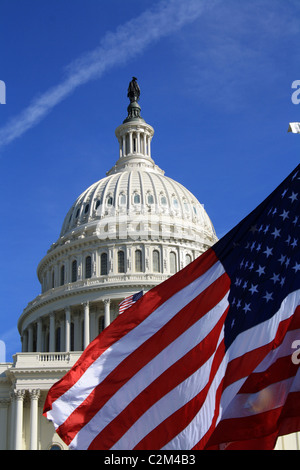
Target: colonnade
{"points": [[41, 335], [135, 142], [14, 441]]}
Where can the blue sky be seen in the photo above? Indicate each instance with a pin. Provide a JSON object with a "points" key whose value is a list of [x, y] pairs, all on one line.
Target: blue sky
{"points": [[215, 79]]}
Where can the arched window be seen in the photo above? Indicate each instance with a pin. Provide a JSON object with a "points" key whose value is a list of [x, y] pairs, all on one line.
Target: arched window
{"points": [[62, 275], [122, 199], [109, 201], [52, 280], [188, 259], [103, 267], [97, 204], [150, 199], [74, 270], [163, 201], [175, 203], [86, 209], [173, 267], [88, 267], [136, 199], [138, 261], [121, 262], [156, 261], [55, 447]]}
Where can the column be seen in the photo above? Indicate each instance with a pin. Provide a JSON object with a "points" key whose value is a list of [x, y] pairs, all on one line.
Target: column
{"points": [[39, 335], [4, 402], [52, 333], [138, 138], [145, 144], [124, 145], [130, 142], [19, 398], [34, 401], [106, 312], [30, 338], [86, 338], [68, 329]]}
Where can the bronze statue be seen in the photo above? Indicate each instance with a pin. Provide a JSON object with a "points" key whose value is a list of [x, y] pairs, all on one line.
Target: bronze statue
{"points": [[133, 90]]}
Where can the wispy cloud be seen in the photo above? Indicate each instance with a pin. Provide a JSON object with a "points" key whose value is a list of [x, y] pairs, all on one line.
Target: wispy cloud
{"points": [[237, 51], [115, 48]]}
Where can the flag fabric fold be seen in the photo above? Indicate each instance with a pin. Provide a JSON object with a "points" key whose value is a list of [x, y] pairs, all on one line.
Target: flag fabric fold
{"points": [[205, 359]]}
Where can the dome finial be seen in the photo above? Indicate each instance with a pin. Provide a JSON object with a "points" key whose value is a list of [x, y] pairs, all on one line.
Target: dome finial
{"points": [[134, 108]]}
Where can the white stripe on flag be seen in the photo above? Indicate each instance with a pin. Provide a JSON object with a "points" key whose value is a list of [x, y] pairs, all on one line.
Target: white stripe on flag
{"points": [[153, 369], [100, 368]]}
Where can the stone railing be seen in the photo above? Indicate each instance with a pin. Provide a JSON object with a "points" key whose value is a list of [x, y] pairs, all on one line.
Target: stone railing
{"points": [[32, 360]]}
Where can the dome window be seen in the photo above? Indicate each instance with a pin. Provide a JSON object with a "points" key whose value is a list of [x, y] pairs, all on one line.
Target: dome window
{"points": [[175, 203], [122, 199], [195, 210], [62, 275], [156, 261], [74, 271], [88, 267], [109, 201], [103, 267], [188, 259], [97, 204], [86, 209], [150, 199], [77, 213], [138, 261], [121, 262], [136, 199], [163, 201], [173, 267]]}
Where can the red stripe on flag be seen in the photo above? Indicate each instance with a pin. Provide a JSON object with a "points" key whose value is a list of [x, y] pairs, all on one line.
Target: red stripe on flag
{"points": [[282, 369], [186, 317], [265, 422], [244, 365], [173, 376], [122, 325], [175, 423]]}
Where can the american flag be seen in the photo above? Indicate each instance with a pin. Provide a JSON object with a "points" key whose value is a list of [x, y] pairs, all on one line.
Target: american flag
{"points": [[130, 300], [203, 360]]}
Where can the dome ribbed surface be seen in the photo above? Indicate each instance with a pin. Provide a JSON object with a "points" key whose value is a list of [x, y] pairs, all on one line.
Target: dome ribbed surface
{"points": [[136, 191]]}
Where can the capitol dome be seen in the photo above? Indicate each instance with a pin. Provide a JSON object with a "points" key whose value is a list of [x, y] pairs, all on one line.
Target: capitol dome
{"points": [[126, 233]]}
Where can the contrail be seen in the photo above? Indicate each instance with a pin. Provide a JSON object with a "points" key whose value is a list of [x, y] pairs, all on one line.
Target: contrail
{"points": [[115, 48]]}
